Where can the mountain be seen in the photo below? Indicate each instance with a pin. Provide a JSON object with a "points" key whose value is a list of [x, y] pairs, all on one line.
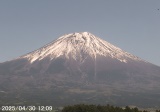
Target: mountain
{"points": [[79, 68]]}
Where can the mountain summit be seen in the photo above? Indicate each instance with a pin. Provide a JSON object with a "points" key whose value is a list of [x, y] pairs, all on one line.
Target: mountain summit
{"points": [[79, 46], [79, 68]]}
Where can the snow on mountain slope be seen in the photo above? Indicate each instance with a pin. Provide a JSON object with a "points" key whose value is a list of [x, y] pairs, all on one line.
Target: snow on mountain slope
{"points": [[75, 67], [77, 45]]}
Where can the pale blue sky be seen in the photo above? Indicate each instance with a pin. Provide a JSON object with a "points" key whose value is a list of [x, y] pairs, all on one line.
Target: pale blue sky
{"points": [[133, 25]]}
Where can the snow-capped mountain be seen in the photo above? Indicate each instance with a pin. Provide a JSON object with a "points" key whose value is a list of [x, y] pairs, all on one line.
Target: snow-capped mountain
{"points": [[77, 44], [79, 68]]}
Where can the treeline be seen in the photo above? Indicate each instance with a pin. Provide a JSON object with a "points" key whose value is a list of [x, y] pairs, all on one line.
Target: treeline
{"points": [[100, 108]]}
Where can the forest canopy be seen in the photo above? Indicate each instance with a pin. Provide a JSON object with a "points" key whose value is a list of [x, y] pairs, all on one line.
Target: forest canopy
{"points": [[100, 108]]}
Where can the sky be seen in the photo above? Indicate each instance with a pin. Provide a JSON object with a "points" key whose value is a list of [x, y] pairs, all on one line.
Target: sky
{"points": [[132, 25]]}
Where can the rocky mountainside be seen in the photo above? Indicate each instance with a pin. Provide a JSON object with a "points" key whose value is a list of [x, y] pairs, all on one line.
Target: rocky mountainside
{"points": [[79, 68]]}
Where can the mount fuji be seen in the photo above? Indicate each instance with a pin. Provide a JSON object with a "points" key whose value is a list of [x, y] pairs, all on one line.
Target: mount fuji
{"points": [[79, 68]]}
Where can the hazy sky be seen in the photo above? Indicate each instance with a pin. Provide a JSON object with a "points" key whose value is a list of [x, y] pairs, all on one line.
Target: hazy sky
{"points": [[132, 25]]}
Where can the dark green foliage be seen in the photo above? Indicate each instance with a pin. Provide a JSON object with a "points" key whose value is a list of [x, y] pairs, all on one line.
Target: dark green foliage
{"points": [[99, 108]]}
